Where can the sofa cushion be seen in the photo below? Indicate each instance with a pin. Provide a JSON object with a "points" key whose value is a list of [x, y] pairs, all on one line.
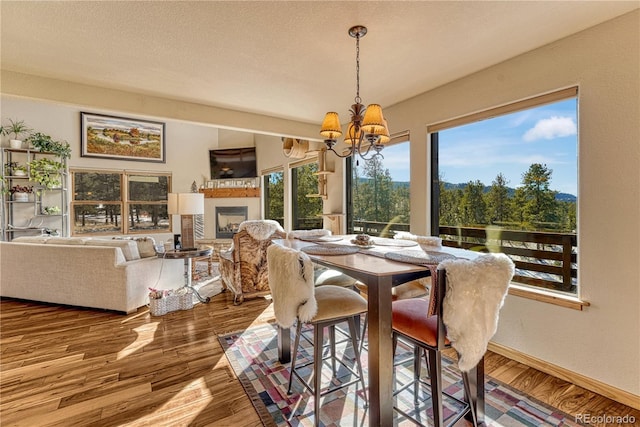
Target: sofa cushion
{"points": [[128, 247], [67, 240], [31, 239]]}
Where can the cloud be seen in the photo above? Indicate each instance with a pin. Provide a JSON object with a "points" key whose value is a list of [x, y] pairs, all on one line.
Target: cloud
{"points": [[554, 127]]}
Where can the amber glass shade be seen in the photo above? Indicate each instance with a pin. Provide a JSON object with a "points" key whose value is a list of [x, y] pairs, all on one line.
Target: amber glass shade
{"points": [[331, 126]]}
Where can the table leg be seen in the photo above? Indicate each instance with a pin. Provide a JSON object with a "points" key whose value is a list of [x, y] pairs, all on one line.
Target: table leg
{"points": [[284, 344], [188, 281], [380, 353]]}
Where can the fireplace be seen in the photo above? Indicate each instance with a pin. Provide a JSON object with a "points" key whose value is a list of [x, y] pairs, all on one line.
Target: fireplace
{"points": [[228, 218]]}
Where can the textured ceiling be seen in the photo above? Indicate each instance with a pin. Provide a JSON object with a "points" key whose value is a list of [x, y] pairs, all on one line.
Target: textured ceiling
{"points": [[291, 60]]}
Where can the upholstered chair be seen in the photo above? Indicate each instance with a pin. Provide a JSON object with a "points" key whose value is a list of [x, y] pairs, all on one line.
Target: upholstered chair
{"points": [[296, 299], [243, 268], [462, 311]]}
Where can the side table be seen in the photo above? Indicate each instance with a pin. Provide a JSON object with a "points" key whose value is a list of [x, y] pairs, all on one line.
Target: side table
{"points": [[188, 257]]}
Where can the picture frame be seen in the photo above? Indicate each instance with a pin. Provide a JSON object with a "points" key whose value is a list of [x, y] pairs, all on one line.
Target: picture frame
{"points": [[122, 138]]}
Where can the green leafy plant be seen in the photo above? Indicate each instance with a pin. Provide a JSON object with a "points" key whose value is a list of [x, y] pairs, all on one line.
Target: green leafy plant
{"points": [[46, 172], [47, 144], [51, 210], [16, 128]]}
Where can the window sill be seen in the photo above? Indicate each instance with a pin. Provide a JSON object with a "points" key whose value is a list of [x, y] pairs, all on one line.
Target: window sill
{"points": [[548, 297]]}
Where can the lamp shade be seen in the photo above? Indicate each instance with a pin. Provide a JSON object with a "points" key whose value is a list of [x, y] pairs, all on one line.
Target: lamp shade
{"points": [[331, 128], [190, 203], [373, 120], [384, 134], [352, 137], [172, 205]]}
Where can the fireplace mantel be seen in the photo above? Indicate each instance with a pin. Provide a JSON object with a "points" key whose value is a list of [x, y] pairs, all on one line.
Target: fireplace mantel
{"points": [[211, 193]]}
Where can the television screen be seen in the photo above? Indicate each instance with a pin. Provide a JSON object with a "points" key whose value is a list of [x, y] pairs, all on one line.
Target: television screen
{"points": [[233, 163]]}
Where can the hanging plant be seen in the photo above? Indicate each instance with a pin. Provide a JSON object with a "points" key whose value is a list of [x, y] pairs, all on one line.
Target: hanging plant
{"points": [[46, 172], [47, 144]]}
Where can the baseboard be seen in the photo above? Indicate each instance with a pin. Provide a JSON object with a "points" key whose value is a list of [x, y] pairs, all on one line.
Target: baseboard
{"points": [[580, 380]]}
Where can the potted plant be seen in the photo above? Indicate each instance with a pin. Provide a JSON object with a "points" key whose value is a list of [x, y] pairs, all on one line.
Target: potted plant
{"points": [[45, 143], [16, 128], [21, 193], [50, 210], [19, 170], [46, 172]]}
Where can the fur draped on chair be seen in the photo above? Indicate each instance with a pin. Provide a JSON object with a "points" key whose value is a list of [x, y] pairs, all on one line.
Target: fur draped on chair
{"points": [[260, 229], [474, 295], [288, 306]]}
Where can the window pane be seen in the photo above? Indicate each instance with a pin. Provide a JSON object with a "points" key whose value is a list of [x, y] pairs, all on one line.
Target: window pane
{"points": [[148, 188], [307, 211], [96, 186], [380, 193], [97, 218], [509, 184], [151, 218], [274, 197]]}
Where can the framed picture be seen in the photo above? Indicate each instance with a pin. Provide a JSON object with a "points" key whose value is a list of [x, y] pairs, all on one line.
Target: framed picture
{"points": [[121, 138]]}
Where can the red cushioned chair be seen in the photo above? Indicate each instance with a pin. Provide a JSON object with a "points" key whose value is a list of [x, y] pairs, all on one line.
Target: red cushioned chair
{"points": [[421, 322]]}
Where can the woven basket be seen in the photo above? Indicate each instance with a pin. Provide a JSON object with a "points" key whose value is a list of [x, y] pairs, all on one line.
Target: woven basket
{"points": [[169, 303]]}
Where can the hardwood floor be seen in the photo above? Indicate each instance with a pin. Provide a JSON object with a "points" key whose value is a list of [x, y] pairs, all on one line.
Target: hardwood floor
{"points": [[68, 366]]}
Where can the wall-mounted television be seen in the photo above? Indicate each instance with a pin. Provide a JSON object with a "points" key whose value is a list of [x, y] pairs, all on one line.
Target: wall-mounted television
{"points": [[233, 163]]}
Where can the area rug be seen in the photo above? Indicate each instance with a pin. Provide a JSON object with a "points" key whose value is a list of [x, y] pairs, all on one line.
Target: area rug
{"points": [[253, 355]]}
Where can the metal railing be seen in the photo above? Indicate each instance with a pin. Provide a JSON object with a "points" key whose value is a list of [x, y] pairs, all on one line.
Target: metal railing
{"points": [[542, 259]]}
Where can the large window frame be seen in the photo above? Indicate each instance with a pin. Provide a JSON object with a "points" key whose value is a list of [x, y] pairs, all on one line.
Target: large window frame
{"points": [[305, 195], [544, 245], [273, 195], [383, 229], [119, 202]]}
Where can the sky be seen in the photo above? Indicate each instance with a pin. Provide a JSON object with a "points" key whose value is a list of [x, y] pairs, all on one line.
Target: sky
{"points": [[507, 144]]}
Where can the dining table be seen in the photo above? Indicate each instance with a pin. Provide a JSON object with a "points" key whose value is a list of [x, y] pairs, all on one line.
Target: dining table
{"points": [[373, 265]]}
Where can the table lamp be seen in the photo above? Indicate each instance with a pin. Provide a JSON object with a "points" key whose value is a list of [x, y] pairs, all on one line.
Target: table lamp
{"points": [[186, 205]]}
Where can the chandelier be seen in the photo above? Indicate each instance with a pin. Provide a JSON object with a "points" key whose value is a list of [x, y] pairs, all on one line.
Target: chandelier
{"points": [[367, 131]]}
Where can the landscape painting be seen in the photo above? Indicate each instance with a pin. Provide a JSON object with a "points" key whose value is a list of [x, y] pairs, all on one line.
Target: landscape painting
{"points": [[122, 138]]}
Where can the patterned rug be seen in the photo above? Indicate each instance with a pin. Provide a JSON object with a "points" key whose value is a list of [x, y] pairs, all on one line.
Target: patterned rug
{"points": [[253, 355]]}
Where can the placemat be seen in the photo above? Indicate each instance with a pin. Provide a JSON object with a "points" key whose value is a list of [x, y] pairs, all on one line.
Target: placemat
{"points": [[320, 238], [394, 242], [329, 249], [418, 257]]}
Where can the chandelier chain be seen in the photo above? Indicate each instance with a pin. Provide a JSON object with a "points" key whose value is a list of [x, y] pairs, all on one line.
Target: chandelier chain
{"points": [[357, 99]]}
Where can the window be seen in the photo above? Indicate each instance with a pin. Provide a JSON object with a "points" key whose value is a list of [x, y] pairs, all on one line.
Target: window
{"points": [[274, 196], [378, 192], [101, 197], [306, 203], [507, 182]]}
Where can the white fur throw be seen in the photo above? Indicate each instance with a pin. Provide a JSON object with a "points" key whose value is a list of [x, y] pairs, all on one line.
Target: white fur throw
{"points": [[260, 229], [297, 234], [422, 240], [474, 295], [291, 283]]}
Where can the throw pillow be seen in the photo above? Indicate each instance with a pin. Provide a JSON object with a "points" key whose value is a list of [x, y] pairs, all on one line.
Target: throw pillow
{"points": [[146, 246], [128, 247]]}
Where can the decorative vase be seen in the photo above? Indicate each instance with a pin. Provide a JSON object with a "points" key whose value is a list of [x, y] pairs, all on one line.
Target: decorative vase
{"points": [[20, 197], [15, 143]]}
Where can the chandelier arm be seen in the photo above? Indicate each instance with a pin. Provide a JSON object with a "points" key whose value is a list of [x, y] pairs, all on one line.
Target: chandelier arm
{"points": [[340, 155]]}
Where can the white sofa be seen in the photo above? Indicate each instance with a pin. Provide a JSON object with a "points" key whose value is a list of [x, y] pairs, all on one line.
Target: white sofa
{"points": [[95, 273]]}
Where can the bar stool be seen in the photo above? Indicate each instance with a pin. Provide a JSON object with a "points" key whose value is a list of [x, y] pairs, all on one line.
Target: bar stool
{"points": [[296, 299]]}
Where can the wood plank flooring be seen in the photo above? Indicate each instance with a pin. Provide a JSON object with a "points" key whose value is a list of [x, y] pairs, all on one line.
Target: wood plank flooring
{"points": [[64, 366]]}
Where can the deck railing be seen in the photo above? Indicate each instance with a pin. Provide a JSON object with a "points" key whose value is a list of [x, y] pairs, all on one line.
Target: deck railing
{"points": [[542, 259]]}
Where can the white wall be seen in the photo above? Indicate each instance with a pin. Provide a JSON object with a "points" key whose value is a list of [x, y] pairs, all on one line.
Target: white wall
{"points": [[187, 149], [603, 341]]}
